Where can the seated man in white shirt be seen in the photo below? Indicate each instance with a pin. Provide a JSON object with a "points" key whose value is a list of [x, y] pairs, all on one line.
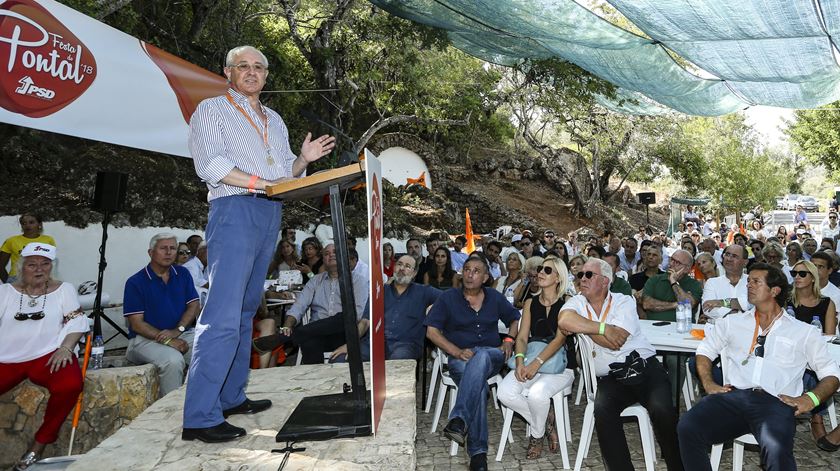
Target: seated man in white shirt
{"points": [[197, 266], [727, 293], [766, 355], [637, 376]]}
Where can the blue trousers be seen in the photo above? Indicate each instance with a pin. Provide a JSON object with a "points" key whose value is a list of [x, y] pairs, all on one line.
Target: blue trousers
{"points": [[471, 405], [241, 233], [718, 418]]}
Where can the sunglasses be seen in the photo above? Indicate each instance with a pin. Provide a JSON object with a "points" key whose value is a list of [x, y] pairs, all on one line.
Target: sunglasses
{"points": [[550, 236], [759, 349], [525, 243], [184, 252], [545, 269], [586, 274], [35, 316], [799, 273]]}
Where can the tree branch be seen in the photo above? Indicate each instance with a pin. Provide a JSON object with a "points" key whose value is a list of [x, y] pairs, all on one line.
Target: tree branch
{"points": [[401, 118]]}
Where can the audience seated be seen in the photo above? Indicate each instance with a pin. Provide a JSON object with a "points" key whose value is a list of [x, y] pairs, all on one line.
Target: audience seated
{"points": [[184, 254], [161, 304], [197, 266]]}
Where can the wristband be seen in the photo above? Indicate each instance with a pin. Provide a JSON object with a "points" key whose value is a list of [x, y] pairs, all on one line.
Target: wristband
{"points": [[519, 355], [166, 342], [601, 328], [252, 183], [539, 360], [508, 339], [813, 397], [310, 275], [725, 302]]}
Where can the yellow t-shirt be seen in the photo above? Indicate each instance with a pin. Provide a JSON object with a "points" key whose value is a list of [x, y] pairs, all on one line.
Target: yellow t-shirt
{"points": [[15, 244]]}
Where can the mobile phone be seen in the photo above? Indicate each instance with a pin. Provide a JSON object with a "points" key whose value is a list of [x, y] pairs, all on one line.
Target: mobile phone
{"points": [[661, 323]]}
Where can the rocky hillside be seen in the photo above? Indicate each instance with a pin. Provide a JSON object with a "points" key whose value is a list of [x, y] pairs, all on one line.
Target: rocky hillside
{"points": [[54, 176]]}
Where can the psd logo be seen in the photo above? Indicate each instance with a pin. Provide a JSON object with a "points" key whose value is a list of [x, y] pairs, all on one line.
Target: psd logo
{"points": [[43, 65]]}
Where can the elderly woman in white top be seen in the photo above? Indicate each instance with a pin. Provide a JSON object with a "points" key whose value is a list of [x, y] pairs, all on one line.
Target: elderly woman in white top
{"points": [[526, 390], [40, 324]]}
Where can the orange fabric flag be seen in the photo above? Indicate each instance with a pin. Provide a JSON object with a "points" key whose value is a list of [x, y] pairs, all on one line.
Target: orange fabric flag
{"points": [[469, 234], [421, 180]]}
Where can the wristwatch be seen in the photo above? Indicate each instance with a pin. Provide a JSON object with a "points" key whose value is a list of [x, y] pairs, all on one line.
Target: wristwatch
{"points": [[181, 329]]}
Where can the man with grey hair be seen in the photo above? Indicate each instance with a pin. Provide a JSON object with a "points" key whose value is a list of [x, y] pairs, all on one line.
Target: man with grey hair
{"points": [[239, 148], [625, 365], [662, 292], [160, 304]]}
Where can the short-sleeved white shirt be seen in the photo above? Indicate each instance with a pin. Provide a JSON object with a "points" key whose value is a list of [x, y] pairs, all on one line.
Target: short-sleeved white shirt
{"points": [[30, 339], [622, 313], [719, 287]]}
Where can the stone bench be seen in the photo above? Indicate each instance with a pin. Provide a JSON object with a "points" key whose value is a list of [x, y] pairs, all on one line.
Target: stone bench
{"points": [[113, 398]]}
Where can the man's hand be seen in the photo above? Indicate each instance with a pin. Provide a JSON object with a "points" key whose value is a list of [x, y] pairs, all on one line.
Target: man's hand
{"points": [[615, 336], [179, 344], [674, 276], [167, 334], [507, 348], [801, 404], [712, 304], [464, 354], [714, 388], [313, 149], [342, 350]]}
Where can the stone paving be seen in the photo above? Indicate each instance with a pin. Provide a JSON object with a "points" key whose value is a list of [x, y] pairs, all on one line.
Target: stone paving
{"points": [[433, 449]]}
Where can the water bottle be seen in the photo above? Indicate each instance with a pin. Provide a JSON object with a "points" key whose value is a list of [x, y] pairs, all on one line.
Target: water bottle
{"points": [[791, 312], [97, 352], [815, 321], [679, 316], [684, 317]]}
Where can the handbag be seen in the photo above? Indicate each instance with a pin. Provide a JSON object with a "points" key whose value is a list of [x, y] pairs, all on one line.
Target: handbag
{"points": [[630, 371], [554, 365]]}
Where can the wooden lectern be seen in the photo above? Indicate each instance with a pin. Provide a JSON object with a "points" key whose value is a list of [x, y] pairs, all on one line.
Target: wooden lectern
{"points": [[346, 414]]}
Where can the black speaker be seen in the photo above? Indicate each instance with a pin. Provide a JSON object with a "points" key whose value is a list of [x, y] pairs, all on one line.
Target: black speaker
{"points": [[647, 198], [109, 194]]}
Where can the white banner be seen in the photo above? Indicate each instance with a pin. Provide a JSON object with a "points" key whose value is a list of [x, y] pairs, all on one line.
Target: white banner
{"points": [[64, 72]]}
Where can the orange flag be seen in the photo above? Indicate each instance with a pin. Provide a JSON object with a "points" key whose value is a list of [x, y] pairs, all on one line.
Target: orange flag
{"points": [[469, 234]]}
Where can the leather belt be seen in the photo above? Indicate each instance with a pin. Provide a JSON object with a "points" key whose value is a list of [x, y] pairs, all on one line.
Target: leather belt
{"points": [[257, 195]]}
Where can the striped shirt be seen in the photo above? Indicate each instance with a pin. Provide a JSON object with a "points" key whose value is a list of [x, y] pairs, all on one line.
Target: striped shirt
{"points": [[222, 139]]}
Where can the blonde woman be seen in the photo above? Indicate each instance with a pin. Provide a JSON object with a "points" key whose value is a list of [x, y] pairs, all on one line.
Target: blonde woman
{"points": [[525, 390], [806, 304]]}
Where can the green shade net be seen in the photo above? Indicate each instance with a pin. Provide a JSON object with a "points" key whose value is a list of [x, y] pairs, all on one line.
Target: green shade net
{"points": [[771, 52]]}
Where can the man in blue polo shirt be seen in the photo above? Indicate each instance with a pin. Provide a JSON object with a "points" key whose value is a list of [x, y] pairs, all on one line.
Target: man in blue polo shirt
{"points": [[464, 324], [160, 303]]}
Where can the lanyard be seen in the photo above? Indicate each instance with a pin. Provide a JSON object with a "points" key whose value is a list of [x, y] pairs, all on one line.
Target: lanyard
{"points": [[264, 132], [767, 332], [606, 311]]}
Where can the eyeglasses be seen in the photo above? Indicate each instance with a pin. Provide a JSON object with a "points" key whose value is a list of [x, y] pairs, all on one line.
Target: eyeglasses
{"points": [[258, 68], [799, 273], [759, 349], [184, 252], [404, 265], [525, 243], [35, 316], [586, 274], [549, 236], [545, 269]]}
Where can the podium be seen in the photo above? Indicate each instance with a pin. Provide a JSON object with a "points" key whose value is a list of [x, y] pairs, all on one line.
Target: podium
{"points": [[348, 413]]}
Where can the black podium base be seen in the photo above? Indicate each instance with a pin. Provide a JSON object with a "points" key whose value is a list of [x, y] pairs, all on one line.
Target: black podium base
{"points": [[326, 417]]}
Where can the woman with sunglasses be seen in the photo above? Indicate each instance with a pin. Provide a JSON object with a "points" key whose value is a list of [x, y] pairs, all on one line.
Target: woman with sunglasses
{"points": [[441, 275], [507, 284], [40, 324], [782, 235], [807, 303], [575, 264], [525, 390], [183, 255]]}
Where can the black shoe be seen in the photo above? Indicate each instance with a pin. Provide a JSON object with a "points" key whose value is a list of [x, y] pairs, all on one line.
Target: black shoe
{"points": [[248, 407], [269, 342], [456, 430], [478, 462], [826, 445], [224, 432]]}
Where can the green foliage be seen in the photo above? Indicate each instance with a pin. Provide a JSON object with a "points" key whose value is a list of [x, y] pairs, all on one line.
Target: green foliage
{"points": [[815, 134]]}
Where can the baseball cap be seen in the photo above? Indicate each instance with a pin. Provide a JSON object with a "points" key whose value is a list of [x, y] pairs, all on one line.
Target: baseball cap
{"points": [[516, 238], [40, 249]]}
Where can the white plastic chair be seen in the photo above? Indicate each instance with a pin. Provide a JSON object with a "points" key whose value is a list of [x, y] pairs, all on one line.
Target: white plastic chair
{"points": [[689, 389], [432, 380], [561, 405], [585, 346], [447, 383]]}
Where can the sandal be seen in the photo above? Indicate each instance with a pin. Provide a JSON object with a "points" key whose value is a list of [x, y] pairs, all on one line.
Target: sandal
{"points": [[825, 444], [817, 428], [535, 446], [28, 459]]}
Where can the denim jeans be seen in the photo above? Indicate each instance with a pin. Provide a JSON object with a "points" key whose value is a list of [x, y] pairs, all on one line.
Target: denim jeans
{"points": [[809, 381], [471, 405], [718, 418]]}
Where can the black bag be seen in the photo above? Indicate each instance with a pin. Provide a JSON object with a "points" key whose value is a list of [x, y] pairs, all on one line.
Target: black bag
{"points": [[630, 371]]}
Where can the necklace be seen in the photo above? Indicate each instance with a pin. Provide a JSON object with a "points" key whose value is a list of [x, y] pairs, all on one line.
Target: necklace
{"points": [[33, 300]]}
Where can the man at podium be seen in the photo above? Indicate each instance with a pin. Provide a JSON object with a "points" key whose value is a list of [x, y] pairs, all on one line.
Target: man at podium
{"points": [[239, 147]]}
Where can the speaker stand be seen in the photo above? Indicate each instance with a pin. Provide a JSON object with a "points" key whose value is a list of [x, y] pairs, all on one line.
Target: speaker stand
{"points": [[98, 313]]}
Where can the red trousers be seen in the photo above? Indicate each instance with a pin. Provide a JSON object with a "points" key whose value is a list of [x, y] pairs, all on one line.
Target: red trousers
{"points": [[64, 386]]}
